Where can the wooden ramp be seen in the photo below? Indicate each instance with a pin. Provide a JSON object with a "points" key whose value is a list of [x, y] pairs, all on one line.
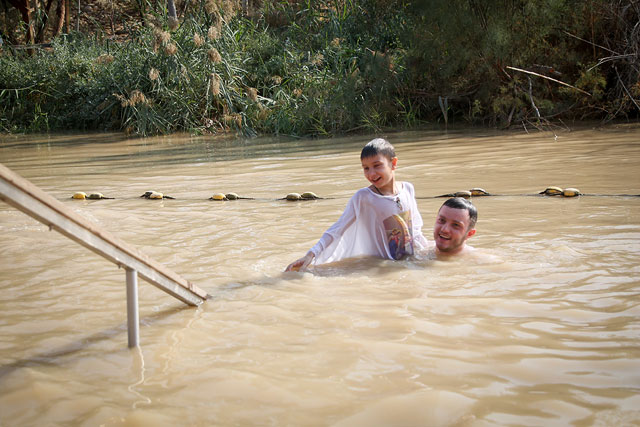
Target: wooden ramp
{"points": [[24, 195]]}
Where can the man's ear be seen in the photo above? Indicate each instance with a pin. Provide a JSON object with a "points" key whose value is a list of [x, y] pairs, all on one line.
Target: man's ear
{"points": [[471, 232], [394, 162]]}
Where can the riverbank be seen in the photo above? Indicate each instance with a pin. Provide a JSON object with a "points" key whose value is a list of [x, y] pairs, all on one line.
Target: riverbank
{"points": [[314, 70]]}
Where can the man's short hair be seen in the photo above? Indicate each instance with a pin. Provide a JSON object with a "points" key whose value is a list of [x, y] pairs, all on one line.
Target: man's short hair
{"points": [[461, 203], [378, 146]]}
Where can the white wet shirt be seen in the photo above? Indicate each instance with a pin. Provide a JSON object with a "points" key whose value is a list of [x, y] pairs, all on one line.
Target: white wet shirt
{"points": [[374, 225]]}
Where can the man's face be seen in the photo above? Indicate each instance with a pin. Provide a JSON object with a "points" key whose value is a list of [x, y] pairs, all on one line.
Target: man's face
{"points": [[452, 230]]}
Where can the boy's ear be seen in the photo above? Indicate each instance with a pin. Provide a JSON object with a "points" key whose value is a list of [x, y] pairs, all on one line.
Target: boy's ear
{"points": [[471, 232]]}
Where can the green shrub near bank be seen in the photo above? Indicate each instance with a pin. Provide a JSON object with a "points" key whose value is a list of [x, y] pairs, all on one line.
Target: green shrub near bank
{"points": [[323, 68]]}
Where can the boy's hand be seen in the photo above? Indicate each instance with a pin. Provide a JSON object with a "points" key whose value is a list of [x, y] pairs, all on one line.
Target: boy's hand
{"points": [[302, 263]]}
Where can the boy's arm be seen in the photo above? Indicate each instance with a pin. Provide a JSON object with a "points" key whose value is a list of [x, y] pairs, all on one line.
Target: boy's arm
{"points": [[333, 232]]}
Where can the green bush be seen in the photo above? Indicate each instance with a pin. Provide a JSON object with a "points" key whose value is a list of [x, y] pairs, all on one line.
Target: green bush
{"points": [[329, 67]]}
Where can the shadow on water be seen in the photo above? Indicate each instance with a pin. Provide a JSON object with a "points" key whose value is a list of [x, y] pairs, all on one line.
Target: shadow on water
{"points": [[69, 139], [208, 150], [75, 349], [184, 149], [175, 150], [366, 266]]}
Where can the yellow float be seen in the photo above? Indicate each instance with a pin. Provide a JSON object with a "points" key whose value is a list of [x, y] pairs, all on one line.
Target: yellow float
{"points": [[552, 191], [155, 195], [571, 192], [218, 196]]}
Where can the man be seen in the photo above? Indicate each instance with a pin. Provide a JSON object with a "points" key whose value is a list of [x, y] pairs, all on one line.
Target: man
{"points": [[455, 224]]}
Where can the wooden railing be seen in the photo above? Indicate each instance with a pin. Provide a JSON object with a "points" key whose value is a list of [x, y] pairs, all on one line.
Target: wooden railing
{"points": [[22, 194]]}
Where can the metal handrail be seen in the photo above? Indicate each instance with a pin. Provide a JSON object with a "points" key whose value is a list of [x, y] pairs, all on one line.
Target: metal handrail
{"points": [[25, 196]]}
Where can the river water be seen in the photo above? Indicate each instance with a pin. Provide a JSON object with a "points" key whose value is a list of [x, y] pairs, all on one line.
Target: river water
{"points": [[543, 331]]}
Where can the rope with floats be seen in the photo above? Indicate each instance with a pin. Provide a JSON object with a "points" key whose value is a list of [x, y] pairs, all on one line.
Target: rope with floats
{"points": [[156, 195], [549, 191], [308, 195]]}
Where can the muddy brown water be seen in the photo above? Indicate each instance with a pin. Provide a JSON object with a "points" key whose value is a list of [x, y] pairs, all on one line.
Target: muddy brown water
{"points": [[546, 333]]}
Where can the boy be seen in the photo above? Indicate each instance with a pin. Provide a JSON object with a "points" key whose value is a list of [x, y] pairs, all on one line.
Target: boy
{"points": [[380, 220]]}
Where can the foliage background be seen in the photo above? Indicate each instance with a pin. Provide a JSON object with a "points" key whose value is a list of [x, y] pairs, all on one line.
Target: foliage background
{"points": [[322, 67]]}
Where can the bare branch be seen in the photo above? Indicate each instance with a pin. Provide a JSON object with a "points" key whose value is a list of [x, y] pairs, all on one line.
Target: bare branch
{"points": [[548, 78], [591, 43], [611, 58], [533, 104], [626, 90]]}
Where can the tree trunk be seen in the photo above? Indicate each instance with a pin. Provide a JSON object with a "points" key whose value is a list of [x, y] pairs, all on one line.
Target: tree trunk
{"points": [[61, 12], [172, 19], [171, 9], [25, 11], [67, 16], [34, 17], [42, 28]]}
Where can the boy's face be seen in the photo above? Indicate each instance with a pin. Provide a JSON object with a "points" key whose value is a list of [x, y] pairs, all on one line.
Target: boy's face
{"points": [[379, 170]]}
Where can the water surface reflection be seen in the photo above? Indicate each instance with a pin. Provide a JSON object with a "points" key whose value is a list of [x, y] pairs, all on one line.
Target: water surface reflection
{"points": [[548, 335]]}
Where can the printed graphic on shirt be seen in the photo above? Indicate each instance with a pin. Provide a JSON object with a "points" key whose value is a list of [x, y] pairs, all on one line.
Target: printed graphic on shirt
{"points": [[399, 238]]}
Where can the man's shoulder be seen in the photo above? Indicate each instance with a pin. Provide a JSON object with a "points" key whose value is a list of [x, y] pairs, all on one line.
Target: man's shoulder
{"points": [[482, 256]]}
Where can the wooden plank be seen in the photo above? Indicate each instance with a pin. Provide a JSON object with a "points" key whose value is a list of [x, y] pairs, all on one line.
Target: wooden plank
{"points": [[30, 199]]}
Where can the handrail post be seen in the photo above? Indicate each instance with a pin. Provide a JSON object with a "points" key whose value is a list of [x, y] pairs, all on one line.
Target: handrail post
{"points": [[133, 317]]}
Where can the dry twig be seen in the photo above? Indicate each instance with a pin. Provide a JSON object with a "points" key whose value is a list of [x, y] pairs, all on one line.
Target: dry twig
{"points": [[548, 78]]}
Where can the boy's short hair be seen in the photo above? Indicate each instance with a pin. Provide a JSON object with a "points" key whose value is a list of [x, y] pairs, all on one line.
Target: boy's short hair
{"points": [[460, 203], [378, 146]]}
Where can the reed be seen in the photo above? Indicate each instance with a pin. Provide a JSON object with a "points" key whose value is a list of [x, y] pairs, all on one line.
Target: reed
{"points": [[318, 68]]}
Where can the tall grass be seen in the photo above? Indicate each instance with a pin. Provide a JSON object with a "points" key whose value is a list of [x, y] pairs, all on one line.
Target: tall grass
{"points": [[320, 68]]}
